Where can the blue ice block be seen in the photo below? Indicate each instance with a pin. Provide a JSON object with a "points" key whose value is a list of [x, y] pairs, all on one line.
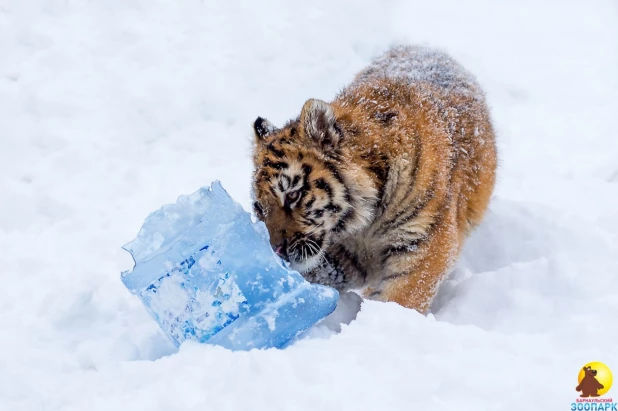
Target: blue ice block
{"points": [[206, 272]]}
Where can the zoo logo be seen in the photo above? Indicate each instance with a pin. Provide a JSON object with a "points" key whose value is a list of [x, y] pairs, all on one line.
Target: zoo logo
{"points": [[594, 380]]}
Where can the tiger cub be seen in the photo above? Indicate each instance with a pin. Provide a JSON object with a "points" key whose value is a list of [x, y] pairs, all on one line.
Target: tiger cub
{"points": [[377, 190]]}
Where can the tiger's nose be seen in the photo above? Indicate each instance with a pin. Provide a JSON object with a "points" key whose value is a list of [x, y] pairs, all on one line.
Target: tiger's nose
{"points": [[282, 249]]}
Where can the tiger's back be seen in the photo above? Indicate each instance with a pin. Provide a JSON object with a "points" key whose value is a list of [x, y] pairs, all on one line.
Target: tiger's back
{"points": [[438, 157], [414, 134]]}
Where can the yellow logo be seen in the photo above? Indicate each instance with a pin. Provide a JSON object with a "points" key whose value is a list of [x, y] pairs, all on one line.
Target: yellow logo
{"points": [[595, 379]]}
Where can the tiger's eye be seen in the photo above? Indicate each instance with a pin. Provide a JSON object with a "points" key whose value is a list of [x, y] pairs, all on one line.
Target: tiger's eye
{"points": [[293, 196]]}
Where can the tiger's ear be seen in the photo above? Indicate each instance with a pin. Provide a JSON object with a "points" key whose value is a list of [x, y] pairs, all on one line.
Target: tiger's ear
{"points": [[262, 128], [317, 120]]}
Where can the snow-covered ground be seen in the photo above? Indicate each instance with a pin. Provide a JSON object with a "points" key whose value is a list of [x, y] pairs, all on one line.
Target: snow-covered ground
{"points": [[110, 109]]}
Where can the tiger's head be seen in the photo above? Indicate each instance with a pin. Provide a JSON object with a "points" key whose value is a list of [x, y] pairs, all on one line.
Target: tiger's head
{"points": [[304, 190]]}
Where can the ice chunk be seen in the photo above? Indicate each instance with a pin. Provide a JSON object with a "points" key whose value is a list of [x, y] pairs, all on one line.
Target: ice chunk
{"points": [[206, 272]]}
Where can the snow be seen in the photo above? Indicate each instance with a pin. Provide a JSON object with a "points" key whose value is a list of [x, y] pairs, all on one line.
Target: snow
{"points": [[112, 109], [419, 64]]}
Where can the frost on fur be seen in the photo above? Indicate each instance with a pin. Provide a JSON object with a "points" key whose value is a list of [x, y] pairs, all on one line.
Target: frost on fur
{"points": [[381, 186]]}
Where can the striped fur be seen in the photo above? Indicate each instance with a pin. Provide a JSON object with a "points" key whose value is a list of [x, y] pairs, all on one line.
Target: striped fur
{"points": [[377, 190]]}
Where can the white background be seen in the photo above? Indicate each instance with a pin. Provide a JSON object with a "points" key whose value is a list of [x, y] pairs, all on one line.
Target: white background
{"points": [[110, 109]]}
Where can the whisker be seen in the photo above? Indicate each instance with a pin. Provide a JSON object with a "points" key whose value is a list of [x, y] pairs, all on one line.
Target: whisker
{"points": [[313, 249], [313, 245], [314, 229]]}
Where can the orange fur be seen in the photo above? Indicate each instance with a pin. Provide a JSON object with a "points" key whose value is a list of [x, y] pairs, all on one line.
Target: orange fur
{"points": [[411, 159]]}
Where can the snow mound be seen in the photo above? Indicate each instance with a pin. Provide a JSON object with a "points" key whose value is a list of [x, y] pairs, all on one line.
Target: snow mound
{"points": [[110, 109]]}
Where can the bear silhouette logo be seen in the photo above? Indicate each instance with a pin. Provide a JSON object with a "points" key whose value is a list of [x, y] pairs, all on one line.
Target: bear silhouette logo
{"points": [[589, 385], [594, 380]]}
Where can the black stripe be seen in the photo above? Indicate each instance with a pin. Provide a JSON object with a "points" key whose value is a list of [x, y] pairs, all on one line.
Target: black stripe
{"points": [[333, 208], [258, 209], [413, 244], [310, 203], [374, 294], [393, 276], [323, 185], [335, 172], [415, 212], [411, 213], [385, 118], [307, 169], [340, 226], [278, 153], [393, 221], [417, 160], [309, 221], [263, 174], [284, 177], [276, 165], [404, 248], [272, 190], [381, 175]]}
